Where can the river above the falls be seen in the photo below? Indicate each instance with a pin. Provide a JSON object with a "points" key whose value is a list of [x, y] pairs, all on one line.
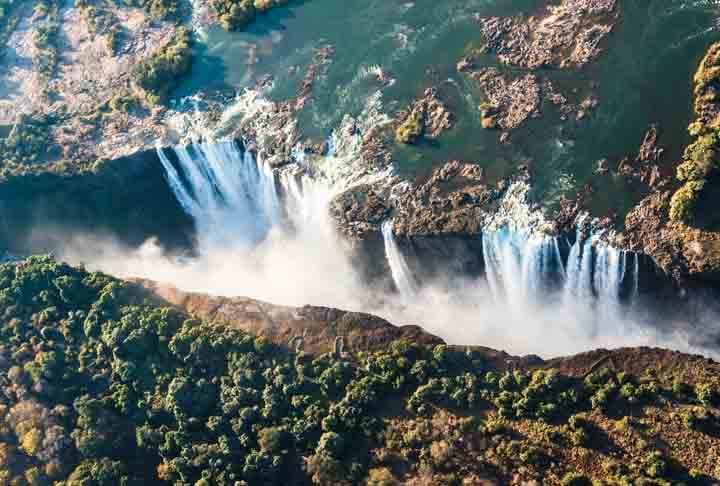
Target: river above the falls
{"points": [[643, 77]]}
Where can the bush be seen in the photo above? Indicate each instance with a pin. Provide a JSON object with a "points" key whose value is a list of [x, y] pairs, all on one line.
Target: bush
{"points": [[236, 14], [381, 476], [684, 201], [705, 394], [654, 464], [410, 130], [575, 479], [159, 74]]}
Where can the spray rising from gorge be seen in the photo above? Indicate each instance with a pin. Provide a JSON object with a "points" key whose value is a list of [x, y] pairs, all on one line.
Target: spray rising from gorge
{"points": [[264, 230], [266, 233]]}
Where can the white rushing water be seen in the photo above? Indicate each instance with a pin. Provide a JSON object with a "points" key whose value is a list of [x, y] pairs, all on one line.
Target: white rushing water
{"points": [[236, 200], [268, 234], [401, 274], [240, 204]]}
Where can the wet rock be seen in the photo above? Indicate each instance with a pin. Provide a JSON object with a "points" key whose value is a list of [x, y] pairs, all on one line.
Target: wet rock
{"points": [[450, 202], [323, 56], [646, 231], [427, 117], [510, 102], [465, 64], [649, 150], [359, 211], [565, 35], [682, 252], [602, 167], [568, 110], [645, 165]]}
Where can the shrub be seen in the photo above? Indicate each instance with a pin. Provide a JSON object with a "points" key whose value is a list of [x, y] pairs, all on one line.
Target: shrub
{"points": [[654, 465], [381, 476], [684, 201], [235, 14], [410, 130], [705, 394], [575, 479], [159, 74]]}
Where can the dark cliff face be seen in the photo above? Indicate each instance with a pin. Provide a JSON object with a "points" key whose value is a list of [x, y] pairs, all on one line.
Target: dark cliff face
{"points": [[127, 199]]}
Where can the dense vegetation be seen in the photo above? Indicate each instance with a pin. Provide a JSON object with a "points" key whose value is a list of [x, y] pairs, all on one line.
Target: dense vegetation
{"points": [[700, 161], [45, 38], [27, 143], [159, 74], [412, 128], [101, 386], [236, 14]]}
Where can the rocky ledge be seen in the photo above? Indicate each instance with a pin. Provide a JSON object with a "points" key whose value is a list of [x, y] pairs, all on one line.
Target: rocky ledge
{"points": [[566, 35], [676, 223], [315, 330], [436, 223], [426, 117], [322, 330]]}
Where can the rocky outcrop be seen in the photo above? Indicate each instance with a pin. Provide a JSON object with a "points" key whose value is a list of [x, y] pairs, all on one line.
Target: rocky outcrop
{"points": [[427, 117], [566, 35], [311, 329], [437, 224], [90, 83], [685, 253], [677, 225], [645, 166], [577, 110], [360, 211], [451, 202], [510, 102]]}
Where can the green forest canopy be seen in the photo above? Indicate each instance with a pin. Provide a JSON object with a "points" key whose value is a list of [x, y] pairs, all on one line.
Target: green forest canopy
{"points": [[101, 385]]}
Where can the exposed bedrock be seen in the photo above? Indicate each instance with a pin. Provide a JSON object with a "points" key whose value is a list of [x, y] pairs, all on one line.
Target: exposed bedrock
{"points": [[315, 330], [437, 225], [566, 35], [318, 330]]}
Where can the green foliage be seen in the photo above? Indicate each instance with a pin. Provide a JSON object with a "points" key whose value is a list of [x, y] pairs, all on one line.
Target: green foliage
{"points": [[700, 160], [109, 388], [236, 14], [28, 143], [684, 201], [574, 479], [705, 394], [45, 38], [410, 130], [159, 74], [654, 464], [100, 21], [158, 9]]}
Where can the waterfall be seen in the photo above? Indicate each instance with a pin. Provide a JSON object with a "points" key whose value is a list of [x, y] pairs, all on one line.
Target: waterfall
{"points": [[236, 200], [578, 281], [596, 270], [401, 274], [231, 198], [520, 265]]}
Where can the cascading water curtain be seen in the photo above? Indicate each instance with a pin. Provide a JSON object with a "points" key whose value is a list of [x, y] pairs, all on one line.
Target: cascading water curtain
{"points": [[232, 199], [401, 274]]}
